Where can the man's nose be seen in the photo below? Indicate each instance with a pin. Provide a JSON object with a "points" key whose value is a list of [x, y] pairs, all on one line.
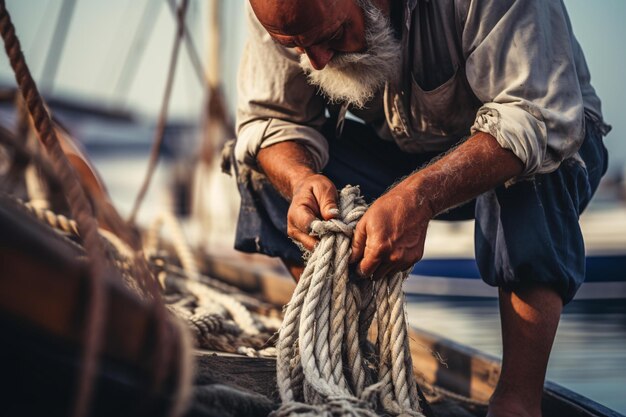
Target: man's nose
{"points": [[319, 56]]}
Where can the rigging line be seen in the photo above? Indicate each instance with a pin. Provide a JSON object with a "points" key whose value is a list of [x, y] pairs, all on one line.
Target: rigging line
{"points": [[136, 50], [192, 50], [79, 206], [216, 104], [57, 44], [160, 129]]}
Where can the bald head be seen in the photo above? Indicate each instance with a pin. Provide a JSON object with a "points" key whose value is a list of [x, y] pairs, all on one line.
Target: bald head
{"points": [[348, 48], [292, 17], [319, 28]]}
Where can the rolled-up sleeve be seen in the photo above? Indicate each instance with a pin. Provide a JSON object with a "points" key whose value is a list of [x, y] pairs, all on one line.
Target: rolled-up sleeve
{"points": [[275, 103], [520, 63]]}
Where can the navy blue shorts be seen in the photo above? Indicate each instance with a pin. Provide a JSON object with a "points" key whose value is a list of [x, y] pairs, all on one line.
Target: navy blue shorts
{"points": [[525, 233]]}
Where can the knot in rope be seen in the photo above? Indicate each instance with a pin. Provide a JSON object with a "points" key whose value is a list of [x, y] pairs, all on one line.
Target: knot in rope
{"points": [[321, 228], [355, 207], [321, 365]]}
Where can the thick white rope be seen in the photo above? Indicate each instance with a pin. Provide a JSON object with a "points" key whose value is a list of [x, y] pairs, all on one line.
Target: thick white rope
{"points": [[69, 226], [321, 368]]}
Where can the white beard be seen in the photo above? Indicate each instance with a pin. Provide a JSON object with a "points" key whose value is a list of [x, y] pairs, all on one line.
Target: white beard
{"points": [[356, 77]]}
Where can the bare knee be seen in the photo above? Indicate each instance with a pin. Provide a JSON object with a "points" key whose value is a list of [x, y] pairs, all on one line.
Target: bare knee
{"points": [[294, 268]]}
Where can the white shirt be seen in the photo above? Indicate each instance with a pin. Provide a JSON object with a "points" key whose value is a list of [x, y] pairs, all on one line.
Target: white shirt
{"points": [[510, 68]]}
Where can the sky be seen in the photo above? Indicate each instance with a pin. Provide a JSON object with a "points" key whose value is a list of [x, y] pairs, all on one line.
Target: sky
{"points": [[100, 33]]}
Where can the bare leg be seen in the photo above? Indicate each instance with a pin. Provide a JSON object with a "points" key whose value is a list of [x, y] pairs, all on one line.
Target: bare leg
{"points": [[294, 268], [529, 318]]}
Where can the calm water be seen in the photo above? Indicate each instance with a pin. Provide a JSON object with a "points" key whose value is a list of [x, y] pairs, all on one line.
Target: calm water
{"points": [[589, 354]]}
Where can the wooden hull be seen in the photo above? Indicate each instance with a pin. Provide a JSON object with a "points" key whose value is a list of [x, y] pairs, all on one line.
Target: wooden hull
{"points": [[467, 373], [43, 299]]}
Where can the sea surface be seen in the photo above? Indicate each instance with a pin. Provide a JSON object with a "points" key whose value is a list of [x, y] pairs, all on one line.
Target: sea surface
{"points": [[589, 354]]}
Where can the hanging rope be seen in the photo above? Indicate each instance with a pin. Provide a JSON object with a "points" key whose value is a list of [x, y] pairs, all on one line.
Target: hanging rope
{"points": [[192, 51], [87, 227], [159, 134], [79, 206], [322, 349]]}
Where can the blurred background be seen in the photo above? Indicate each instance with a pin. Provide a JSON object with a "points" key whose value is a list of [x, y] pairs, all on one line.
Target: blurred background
{"points": [[103, 68]]}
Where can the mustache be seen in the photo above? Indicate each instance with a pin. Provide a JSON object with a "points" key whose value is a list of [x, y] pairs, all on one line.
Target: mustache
{"points": [[355, 77], [342, 59]]}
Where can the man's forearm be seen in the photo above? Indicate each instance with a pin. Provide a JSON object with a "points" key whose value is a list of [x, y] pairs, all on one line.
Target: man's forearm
{"points": [[286, 164], [474, 167]]}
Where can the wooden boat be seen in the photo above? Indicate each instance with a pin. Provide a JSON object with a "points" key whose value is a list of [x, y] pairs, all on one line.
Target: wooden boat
{"points": [[42, 294], [43, 287], [43, 282]]}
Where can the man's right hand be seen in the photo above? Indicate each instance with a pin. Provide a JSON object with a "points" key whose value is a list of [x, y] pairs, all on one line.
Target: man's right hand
{"points": [[289, 167], [314, 197]]}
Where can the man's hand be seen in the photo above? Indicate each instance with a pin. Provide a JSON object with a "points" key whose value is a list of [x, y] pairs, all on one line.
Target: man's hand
{"points": [[390, 236], [314, 197], [289, 167]]}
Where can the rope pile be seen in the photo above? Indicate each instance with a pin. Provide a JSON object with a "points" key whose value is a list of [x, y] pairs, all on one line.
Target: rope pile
{"points": [[218, 320], [324, 364], [219, 315]]}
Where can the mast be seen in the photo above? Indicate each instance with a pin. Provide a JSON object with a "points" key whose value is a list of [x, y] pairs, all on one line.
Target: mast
{"points": [[213, 45], [53, 57], [215, 216], [135, 51]]}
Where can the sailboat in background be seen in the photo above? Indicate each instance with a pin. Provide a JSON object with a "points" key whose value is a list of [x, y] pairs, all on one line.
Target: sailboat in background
{"points": [[449, 268]]}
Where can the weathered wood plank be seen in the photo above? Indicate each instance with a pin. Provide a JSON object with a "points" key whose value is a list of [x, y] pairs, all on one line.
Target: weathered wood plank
{"points": [[271, 285], [44, 282], [259, 375], [252, 374]]}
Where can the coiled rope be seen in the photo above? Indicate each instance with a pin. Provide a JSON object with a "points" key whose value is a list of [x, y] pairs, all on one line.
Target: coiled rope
{"points": [[322, 349], [216, 318]]}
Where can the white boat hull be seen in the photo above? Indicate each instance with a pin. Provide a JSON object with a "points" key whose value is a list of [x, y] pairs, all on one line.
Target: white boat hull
{"points": [[448, 267], [473, 287]]}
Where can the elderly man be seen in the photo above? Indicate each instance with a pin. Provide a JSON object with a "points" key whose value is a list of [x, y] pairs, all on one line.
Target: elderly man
{"points": [[468, 109]]}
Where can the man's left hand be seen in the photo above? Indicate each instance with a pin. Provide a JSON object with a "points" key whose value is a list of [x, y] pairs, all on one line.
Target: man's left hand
{"points": [[390, 236]]}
